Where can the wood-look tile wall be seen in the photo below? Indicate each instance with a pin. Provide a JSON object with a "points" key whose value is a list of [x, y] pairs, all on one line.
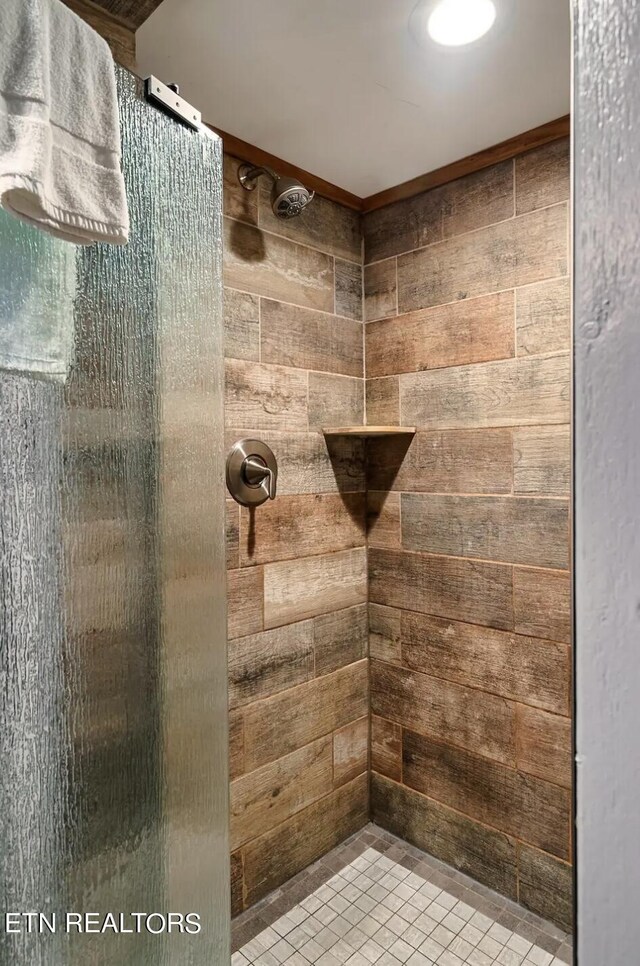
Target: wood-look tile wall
{"points": [[467, 297], [297, 579]]}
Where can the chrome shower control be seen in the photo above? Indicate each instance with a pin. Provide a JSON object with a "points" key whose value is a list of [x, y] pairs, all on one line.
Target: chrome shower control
{"points": [[252, 471]]}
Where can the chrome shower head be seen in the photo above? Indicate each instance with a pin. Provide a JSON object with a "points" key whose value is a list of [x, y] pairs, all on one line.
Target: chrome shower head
{"points": [[288, 195]]}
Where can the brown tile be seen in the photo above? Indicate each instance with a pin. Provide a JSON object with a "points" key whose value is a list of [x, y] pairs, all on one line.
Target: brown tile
{"points": [[542, 460], [237, 883], [335, 401], [518, 530], [237, 202], [384, 634], [306, 339], [386, 748], [350, 751], [236, 744], [261, 397], [383, 519], [348, 289], [542, 176], [542, 604], [267, 796], [520, 805], [543, 744], [403, 226], [482, 198], [474, 330], [276, 727], [543, 317], [232, 538], [462, 461], [380, 295], [340, 638], [295, 526], [546, 886], [241, 325], [324, 225], [481, 722], [297, 589], [264, 664], [480, 593], [487, 855], [276, 856], [309, 463], [265, 264], [526, 669], [516, 392], [517, 252], [244, 601], [383, 402]]}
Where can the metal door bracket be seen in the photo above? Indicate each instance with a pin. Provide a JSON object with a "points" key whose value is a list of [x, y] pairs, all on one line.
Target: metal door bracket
{"points": [[167, 98]]}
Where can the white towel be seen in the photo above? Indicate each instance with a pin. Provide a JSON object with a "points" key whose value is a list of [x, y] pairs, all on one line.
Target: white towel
{"points": [[59, 128]]}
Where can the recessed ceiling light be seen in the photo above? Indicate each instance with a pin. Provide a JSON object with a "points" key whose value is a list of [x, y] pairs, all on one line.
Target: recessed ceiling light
{"points": [[457, 22]]}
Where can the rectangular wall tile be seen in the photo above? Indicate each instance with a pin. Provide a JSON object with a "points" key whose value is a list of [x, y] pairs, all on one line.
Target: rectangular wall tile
{"points": [[520, 805], [459, 461], [340, 638], [516, 392], [311, 463], [297, 589], [483, 853], [241, 325], [380, 292], [431, 706], [335, 401], [542, 604], [445, 587], [525, 669], [237, 883], [278, 726], [303, 525], [383, 520], [515, 530], [543, 317], [351, 751], [542, 176], [411, 223], [307, 339], [257, 261], [265, 397], [271, 794], [544, 745], [277, 856], [324, 225], [383, 402], [263, 664], [232, 534], [520, 251], [236, 744], [238, 203], [245, 601], [542, 460], [348, 289], [545, 885], [474, 330], [386, 748], [384, 634]]}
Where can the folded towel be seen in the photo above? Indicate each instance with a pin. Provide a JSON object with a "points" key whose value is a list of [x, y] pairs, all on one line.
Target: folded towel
{"points": [[37, 291], [59, 128]]}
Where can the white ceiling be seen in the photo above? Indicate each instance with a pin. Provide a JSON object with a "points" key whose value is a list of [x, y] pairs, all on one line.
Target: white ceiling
{"points": [[342, 88]]}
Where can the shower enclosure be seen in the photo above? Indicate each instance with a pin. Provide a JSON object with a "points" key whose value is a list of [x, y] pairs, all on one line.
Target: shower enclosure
{"points": [[113, 701]]}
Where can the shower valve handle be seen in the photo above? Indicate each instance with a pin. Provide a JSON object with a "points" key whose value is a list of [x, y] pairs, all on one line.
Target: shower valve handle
{"points": [[252, 472]]}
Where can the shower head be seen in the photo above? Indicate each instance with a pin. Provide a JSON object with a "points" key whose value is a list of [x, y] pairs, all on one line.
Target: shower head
{"points": [[288, 196]]}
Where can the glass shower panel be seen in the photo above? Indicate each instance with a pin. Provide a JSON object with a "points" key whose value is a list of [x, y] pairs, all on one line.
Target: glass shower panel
{"points": [[113, 708]]}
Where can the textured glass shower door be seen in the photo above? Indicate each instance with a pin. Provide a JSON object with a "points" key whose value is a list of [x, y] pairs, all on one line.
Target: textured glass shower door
{"points": [[113, 707]]}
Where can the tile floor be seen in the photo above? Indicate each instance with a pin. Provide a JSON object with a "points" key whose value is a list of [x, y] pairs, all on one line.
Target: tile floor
{"points": [[377, 900]]}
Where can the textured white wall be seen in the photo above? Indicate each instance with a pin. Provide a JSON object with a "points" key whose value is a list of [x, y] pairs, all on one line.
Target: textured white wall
{"points": [[607, 477]]}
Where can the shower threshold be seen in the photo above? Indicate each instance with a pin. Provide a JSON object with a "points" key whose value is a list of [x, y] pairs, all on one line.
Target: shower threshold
{"points": [[377, 900]]}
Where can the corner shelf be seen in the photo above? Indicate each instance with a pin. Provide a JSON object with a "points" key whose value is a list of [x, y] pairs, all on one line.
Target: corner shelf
{"points": [[369, 430]]}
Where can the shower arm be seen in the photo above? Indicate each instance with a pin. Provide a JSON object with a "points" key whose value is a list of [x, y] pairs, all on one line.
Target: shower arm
{"points": [[248, 175]]}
